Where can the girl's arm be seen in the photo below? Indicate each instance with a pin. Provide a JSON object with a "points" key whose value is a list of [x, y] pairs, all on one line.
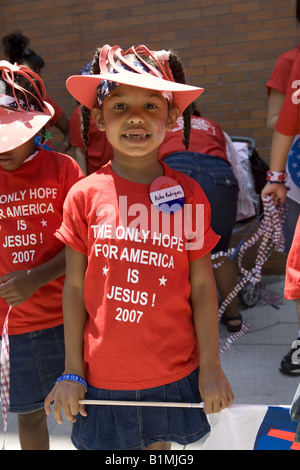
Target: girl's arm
{"points": [[213, 384], [275, 102], [18, 286], [67, 394], [280, 147]]}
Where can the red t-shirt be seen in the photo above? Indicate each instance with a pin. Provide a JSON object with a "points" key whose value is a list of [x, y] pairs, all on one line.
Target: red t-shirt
{"points": [[31, 202], [281, 72], [288, 121], [139, 333], [98, 151], [206, 137]]}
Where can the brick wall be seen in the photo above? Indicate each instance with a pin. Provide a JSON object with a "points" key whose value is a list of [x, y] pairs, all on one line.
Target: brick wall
{"points": [[229, 47]]}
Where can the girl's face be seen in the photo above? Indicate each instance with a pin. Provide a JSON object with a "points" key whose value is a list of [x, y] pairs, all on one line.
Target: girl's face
{"points": [[13, 159], [135, 121]]}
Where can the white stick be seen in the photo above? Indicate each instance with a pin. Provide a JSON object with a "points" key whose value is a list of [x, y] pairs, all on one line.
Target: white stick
{"points": [[163, 404], [141, 403]]}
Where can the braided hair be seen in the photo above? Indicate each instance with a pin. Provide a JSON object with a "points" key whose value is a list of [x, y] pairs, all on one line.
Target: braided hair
{"points": [[86, 112], [179, 77]]}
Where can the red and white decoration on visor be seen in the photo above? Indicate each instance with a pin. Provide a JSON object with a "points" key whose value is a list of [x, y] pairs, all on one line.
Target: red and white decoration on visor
{"points": [[20, 120]]}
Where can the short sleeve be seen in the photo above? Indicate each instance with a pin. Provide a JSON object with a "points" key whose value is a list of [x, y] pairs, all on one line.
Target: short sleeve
{"points": [[73, 230], [280, 75], [288, 119]]}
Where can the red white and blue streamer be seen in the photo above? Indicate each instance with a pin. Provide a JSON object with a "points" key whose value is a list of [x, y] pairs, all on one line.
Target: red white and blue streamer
{"points": [[5, 374], [270, 235]]}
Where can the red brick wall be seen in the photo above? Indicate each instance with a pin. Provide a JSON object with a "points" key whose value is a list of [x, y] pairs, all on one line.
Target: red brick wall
{"points": [[227, 46]]}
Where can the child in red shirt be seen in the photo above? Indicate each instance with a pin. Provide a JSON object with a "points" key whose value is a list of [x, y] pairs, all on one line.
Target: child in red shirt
{"points": [[34, 183], [284, 155], [282, 117], [141, 309]]}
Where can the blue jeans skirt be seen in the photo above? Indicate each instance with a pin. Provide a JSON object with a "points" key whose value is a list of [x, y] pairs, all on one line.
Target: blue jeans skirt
{"points": [[219, 184], [36, 361], [135, 428]]}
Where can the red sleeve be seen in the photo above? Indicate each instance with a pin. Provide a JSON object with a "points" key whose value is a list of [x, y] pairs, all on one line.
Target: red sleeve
{"points": [[281, 72], [73, 230], [288, 119]]}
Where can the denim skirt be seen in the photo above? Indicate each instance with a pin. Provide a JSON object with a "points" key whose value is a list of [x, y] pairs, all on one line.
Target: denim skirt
{"points": [[220, 186], [36, 361], [135, 428]]}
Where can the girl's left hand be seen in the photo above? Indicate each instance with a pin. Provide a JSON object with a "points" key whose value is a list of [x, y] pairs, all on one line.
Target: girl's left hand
{"points": [[17, 286], [277, 192]]}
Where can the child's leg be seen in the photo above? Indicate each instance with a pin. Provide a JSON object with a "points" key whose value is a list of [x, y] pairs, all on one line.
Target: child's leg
{"points": [[226, 280], [33, 431], [159, 446]]}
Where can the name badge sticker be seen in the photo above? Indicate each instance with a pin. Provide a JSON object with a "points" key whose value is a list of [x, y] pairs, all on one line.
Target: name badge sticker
{"points": [[166, 194]]}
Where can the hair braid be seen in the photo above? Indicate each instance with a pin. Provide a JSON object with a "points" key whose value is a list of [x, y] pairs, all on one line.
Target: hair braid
{"points": [[179, 77], [86, 112]]}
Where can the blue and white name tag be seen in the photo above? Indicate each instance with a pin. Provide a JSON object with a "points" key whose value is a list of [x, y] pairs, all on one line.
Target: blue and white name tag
{"points": [[166, 194]]}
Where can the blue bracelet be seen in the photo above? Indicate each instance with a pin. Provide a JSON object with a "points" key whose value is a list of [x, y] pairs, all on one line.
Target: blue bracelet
{"points": [[73, 378]]}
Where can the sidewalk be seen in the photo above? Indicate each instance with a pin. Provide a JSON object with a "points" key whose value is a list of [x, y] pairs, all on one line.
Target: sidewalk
{"points": [[251, 364]]}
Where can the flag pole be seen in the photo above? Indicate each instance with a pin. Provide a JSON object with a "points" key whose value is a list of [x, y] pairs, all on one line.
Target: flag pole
{"points": [[141, 403]]}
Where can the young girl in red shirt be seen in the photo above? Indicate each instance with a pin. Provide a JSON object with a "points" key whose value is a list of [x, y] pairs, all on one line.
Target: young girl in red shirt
{"points": [[140, 301], [282, 118]]}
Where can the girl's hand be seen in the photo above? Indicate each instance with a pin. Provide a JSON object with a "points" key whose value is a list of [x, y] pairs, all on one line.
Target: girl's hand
{"points": [[17, 286], [278, 192], [66, 395], [214, 389]]}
